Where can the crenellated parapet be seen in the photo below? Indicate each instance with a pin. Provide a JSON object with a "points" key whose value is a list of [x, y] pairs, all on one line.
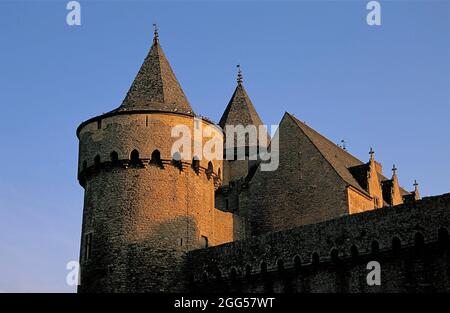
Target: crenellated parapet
{"points": [[112, 139], [136, 162], [365, 235]]}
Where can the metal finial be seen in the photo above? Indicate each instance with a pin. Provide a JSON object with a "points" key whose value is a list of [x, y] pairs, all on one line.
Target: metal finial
{"points": [[394, 170], [371, 152], [155, 33], [239, 75], [415, 184], [343, 144]]}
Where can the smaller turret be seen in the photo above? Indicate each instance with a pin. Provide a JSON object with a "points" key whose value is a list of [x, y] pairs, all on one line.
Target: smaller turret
{"points": [[241, 118], [391, 189]]}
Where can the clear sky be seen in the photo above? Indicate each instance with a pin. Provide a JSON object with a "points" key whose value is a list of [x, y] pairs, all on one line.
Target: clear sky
{"points": [[382, 86]]}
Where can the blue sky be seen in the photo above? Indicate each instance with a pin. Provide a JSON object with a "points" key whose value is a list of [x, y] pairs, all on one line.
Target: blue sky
{"points": [[387, 87]]}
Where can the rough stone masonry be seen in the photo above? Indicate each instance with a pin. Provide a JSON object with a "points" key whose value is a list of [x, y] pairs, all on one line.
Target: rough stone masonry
{"points": [[155, 223]]}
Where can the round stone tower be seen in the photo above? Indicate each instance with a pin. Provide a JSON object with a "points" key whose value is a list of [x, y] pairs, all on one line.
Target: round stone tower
{"points": [[144, 208]]}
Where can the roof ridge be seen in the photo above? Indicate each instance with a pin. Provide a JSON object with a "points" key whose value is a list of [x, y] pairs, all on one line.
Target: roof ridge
{"points": [[328, 140], [342, 151], [355, 183]]}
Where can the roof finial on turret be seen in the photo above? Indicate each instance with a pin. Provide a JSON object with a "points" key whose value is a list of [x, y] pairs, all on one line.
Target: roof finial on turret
{"points": [[394, 170], [416, 192], [155, 33], [371, 152], [239, 75]]}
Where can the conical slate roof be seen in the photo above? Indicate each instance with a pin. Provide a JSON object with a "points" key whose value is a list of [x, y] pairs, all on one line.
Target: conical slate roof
{"points": [[240, 110], [155, 86]]}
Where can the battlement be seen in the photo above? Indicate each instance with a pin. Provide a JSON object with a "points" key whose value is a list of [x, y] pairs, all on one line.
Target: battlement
{"points": [[115, 139], [363, 235], [136, 162]]}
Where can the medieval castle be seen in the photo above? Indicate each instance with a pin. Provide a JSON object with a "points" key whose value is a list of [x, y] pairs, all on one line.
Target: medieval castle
{"points": [[153, 222]]}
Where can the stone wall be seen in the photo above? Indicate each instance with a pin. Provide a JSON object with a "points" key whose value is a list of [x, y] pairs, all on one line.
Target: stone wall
{"points": [[141, 218], [358, 202], [304, 189], [410, 241]]}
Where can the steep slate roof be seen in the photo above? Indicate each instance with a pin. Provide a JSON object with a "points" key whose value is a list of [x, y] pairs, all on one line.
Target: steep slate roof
{"points": [[337, 157], [348, 167], [240, 110], [155, 86]]}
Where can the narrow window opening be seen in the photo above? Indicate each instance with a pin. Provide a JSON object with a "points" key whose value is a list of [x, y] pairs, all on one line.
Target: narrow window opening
{"points": [[248, 271], [114, 157], [375, 247], [134, 158], [419, 242], [156, 159], [334, 256], [209, 170], [204, 277], [233, 274], [99, 124], [97, 161], [204, 241], [280, 266], [88, 246], [376, 202], [176, 161], [263, 268], [196, 164], [315, 260], [297, 263], [396, 245], [354, 252]]}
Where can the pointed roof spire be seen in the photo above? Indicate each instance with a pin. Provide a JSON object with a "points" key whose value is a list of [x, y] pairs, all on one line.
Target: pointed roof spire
{"points": [[394, 170], [240, 109], [239, 75], [416, 190], [155, 86], [371, 152], [155, 34]]}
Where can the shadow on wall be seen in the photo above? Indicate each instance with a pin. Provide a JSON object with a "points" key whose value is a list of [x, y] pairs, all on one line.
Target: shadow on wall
{"points": [[155, 263]]}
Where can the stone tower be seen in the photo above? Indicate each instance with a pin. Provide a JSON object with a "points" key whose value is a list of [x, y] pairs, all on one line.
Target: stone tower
{"points": [[144, 208], [240, 112]]}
